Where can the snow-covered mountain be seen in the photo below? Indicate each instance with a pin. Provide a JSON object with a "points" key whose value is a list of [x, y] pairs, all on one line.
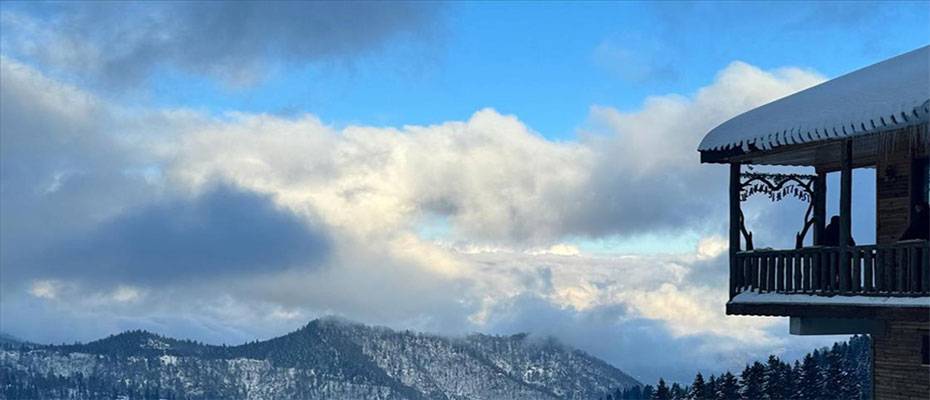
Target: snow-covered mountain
{"points": [[326, 359]]}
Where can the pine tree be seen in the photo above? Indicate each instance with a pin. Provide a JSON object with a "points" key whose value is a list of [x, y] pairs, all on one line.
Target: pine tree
{"points": [[727, 387], [832, 378], [647, 392], [860, 346], [751, 381], [698, 390], [662, 392], [808, 386], [638, 393], [791, 380], [678, 393], [848, 384], [770, 379], [632, 393], [711, 387]]}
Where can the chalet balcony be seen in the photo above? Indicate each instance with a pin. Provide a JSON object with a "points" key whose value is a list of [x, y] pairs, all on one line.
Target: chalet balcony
{"points": [[895, 270], [877, 119]]}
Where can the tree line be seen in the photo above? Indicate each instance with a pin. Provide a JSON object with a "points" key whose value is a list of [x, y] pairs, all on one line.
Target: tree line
{"points": [[839, 372]]}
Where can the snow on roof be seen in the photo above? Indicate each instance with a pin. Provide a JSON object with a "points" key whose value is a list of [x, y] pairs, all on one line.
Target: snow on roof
{"points": [[892, 94], [795, 299]]}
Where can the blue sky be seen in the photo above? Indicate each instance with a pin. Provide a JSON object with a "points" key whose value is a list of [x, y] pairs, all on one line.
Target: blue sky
{"points": [[548, 63], [447, 167]]}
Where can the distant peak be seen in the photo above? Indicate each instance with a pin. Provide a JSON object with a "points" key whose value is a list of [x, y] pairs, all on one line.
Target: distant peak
{"points": [[332, 321], [137, 338], [136, 333]]}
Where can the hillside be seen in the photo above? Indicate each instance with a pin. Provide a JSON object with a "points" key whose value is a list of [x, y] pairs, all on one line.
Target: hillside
{"points": [[326, 359]]}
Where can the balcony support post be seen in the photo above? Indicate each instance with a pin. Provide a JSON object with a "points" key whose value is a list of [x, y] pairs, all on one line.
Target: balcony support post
{"points": [[735, 169], [845, 215], [820, 206]]}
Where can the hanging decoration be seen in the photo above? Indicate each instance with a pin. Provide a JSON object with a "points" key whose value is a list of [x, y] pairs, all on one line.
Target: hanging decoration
{"points": [[778, 187]]}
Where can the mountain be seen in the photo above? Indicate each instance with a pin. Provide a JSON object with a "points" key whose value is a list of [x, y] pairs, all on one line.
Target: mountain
{"points": [[326, 359], [9, 340]]}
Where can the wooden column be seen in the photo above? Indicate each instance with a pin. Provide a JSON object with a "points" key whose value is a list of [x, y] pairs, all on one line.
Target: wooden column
{"points": [[845, 214], [820, 206], [734, 223]]}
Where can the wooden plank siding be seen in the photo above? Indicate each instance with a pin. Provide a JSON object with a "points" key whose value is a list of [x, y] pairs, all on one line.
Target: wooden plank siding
{"points": [[897, 371], [893, 192]]}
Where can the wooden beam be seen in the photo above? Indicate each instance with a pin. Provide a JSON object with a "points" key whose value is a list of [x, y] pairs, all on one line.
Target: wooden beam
{"points": [[735, 170], [820, 206], [835, 326], [845, 215]]}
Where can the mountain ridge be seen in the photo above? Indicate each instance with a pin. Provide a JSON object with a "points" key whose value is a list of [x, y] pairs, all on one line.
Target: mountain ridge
{"points": [[326, 358]]}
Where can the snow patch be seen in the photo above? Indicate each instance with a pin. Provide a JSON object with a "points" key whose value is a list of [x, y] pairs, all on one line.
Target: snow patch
{"points": [[870, 301], [168, 360], [892, 94]]}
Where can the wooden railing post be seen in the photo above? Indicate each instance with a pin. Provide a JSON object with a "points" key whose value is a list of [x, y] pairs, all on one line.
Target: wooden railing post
{"points": [[734, 223], [845, 217], [925, 269]]}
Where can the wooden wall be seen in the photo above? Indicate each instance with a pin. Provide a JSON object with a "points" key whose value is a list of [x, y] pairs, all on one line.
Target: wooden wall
{"points": [[897, 371], [893, 191]]}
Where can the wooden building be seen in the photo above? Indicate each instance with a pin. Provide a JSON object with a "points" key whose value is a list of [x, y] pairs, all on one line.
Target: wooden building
{"points": [[876, 117]]}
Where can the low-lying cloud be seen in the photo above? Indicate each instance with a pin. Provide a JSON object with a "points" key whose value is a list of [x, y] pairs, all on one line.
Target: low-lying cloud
{"points": [[241, 226]]}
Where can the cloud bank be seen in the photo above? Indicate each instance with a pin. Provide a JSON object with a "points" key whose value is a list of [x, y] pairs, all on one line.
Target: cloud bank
{"points": [[238, 226]]}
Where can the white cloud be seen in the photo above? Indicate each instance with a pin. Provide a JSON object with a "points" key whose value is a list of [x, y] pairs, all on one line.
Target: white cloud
{"points": [[513, 201], [559, 249], [126, 294], [45, 289], [712, 247]]}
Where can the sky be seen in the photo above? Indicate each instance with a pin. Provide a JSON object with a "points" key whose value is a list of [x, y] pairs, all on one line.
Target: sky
{"points": [[227, 172]]}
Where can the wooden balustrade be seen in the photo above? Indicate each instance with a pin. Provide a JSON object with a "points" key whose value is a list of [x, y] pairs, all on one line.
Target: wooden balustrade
{"points": [[900, 269]]}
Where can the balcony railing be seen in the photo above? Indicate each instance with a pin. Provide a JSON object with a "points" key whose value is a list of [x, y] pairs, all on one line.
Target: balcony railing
{"points": [[901, 269]]}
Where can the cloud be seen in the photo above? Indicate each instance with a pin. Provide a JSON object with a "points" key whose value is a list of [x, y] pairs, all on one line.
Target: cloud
{"points": [[223, 232], [239, 226], [66, 162], [643, 346], [123, 43], [492, 176]]}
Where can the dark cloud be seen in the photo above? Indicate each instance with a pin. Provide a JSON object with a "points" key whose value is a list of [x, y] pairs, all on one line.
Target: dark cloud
{"points": [[63, 166], [664, 202], [80, 200], [223, 232], [238, 41]]}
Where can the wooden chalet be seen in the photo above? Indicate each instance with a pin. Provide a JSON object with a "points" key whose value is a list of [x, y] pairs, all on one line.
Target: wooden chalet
{"points": [[876, 117]]}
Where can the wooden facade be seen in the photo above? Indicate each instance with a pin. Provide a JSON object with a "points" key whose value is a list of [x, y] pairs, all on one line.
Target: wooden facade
{"points": [[898, 371], [876, 117], [847, 282]]}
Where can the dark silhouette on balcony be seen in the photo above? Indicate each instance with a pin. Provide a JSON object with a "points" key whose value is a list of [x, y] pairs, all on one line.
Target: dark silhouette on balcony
{"points": [[831, 234], [920, 224]]}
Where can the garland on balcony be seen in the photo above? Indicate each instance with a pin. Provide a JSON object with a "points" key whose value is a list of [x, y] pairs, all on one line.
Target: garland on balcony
{"points": [[778, 187]]}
